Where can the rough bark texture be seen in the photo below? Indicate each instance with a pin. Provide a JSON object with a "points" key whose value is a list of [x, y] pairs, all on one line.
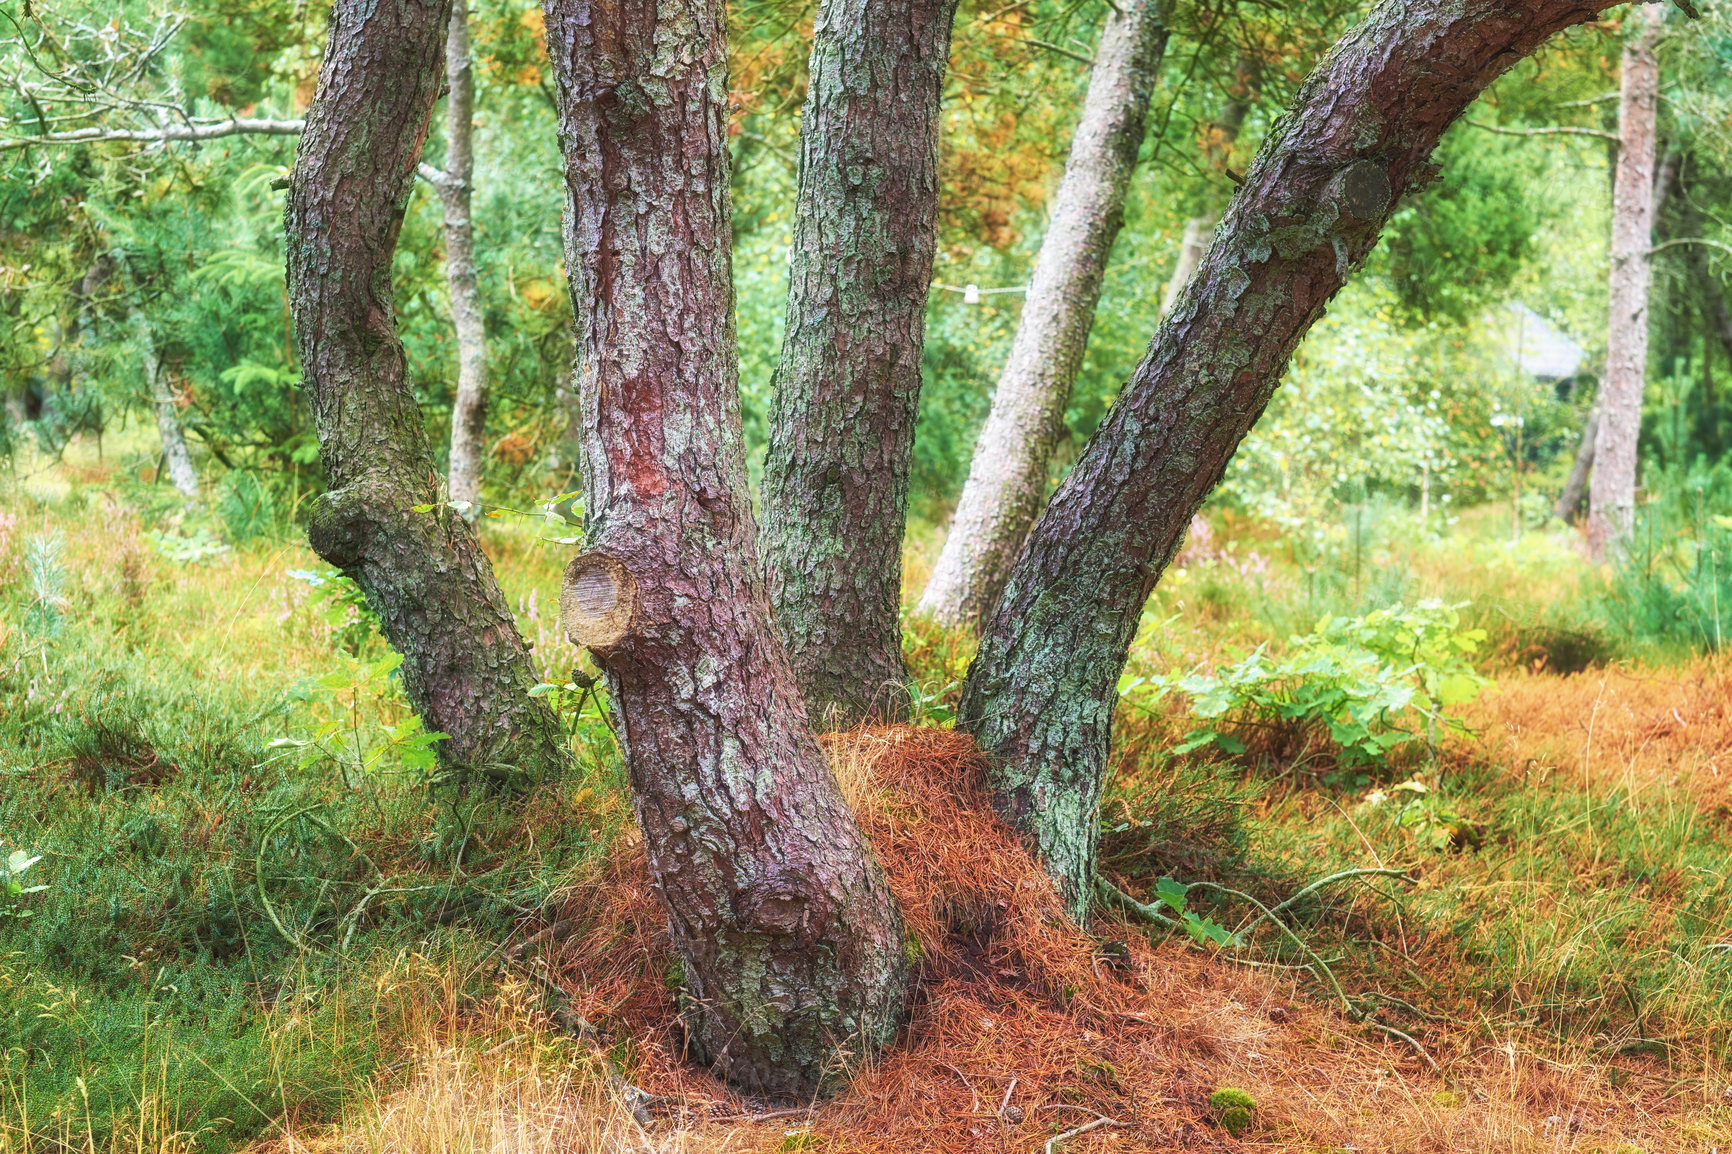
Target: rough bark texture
{"points": [[175, 456], [465, 667], [793, 946], [1576, 486], [1612, 492], [1007, 477], [835, 488], [455, 187], [1041, 693]]}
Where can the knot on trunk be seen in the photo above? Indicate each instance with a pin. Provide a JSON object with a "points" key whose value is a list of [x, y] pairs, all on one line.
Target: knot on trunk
{"points": [[1362, 190], [597, 601]]}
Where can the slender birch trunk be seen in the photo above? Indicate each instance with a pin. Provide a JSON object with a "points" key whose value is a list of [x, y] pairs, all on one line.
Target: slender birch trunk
{"points": [[1200, 230], [455, 186], [792, 944], [175, 456], [1007, 478], [1612, 492], [466, 669], [1041, 693], [835, 487]]}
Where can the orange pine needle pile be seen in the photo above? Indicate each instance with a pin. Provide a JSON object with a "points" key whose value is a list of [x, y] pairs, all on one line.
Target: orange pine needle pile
{"points": [[1085, 1026]]}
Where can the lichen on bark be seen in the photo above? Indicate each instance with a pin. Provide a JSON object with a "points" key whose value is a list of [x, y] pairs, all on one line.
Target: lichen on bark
{"points": [[465, 667], [790, 940], [835, 489]]}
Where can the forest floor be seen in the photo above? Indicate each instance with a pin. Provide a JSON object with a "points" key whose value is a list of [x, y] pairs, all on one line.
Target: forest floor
{"points": [[254, 936]]}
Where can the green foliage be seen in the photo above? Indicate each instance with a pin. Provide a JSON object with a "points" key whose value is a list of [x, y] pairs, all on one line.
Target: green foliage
{"points": [[46, 573], [1454, 249], [1203, 930], [343, 605], [12, 888], [1234, 1110], [1672, 587], [1353, 680], [351, 740]]}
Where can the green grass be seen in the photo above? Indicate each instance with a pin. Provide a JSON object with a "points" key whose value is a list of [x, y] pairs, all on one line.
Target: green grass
{"points": [[209, 953]]}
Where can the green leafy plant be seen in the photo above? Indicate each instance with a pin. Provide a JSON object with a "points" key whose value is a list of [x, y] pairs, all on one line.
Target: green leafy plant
{"points": [[343, 605], [360, 748], [580, 704], [12, 887], [46, 572], [1366, 684], [1234, 1109], [200, 546], [1203, 931], [1433, 824]]}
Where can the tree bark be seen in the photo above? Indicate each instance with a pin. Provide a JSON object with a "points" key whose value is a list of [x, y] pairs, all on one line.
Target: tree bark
{"points": [[1576, 487], [175, 456], [1612, 492], [455, 186], [1040, 694], [466, 669], [1007, 478], [835, 486], [791, 941]]}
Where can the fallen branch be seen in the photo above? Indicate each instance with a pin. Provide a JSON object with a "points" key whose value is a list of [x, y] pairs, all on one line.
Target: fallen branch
{"points": [[1100, 1120]]}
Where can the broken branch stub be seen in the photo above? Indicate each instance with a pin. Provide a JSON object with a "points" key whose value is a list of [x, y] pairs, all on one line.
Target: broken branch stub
{"points": [[1364, 190], [596, 601]]}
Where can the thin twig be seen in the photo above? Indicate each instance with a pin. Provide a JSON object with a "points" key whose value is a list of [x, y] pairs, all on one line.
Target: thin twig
{"points": [[1410, 1040], [1100, 1120], [1549, 130]]}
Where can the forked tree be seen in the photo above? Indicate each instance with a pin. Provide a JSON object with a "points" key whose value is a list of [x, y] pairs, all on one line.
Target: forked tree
{"points": [[835, 491], [1041, 692], [466, 668], [792, 944]]}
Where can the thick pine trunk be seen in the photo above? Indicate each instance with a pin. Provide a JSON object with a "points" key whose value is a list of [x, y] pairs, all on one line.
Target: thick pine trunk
{"points": [[1041, 692], [835, 488], [465, 667], [1008, 475], [792, 944], [1612, 492], [175, 456], [455, 188]]}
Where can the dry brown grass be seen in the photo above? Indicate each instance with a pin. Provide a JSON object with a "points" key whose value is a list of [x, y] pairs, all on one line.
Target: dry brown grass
{"points": [[1023, 1027], [1629, 728]]}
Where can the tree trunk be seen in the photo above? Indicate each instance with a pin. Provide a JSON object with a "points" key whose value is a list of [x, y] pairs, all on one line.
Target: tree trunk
{"points": [[1576, 487], [1612, 492], [175, 456], [1041, 692], [1007, 478], [1200, 230], [792, 943], [835, 487], [466, 669], [455, 186]]}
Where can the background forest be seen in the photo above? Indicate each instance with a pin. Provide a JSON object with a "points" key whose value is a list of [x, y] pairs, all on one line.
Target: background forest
{"points": [[239, 904]]}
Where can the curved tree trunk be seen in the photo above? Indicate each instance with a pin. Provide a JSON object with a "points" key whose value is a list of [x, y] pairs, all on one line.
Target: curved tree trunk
{"points": [[1612, 492], [465, 667], [1041, 692], [792, 943], [455, 187], [835, 487], [1007, 477], [175, 456]]}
